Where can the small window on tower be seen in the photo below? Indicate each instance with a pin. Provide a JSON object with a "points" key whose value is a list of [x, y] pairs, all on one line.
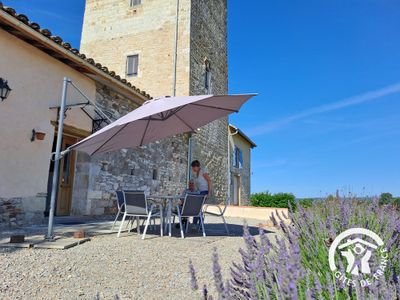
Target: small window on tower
{"points": [[135, 2], [132, 65], [207, 77]]}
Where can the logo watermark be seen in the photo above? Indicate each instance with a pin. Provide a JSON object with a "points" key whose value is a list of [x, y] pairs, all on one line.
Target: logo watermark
{"points": [[357, 253]]}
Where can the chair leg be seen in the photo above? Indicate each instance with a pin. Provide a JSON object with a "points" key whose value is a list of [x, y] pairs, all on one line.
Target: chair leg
{"points": [[147, 225], [226, 226], [187, 225], [138, 225], [202, 224], [131, 226], [116, 218], [180, 224], [122, 224], [129, 222]]}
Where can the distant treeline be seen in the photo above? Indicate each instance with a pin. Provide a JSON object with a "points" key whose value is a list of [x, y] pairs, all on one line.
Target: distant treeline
{"points": [[287, 200]]}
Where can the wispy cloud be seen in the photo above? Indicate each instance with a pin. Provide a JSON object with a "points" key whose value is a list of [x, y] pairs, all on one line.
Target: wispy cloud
{"points": [[355, 100], [57, 16]]}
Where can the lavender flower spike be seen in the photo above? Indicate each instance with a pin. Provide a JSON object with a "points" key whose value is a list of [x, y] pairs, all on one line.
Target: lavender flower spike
{"points": [[193, 277]]}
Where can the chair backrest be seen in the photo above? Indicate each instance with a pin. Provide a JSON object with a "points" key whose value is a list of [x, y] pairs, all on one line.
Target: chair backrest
{"points": [[192, 205], [135, 203], [120, 198]]}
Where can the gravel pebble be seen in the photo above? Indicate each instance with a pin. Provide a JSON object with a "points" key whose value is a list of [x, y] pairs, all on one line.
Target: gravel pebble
{"points": [[154, 268]]}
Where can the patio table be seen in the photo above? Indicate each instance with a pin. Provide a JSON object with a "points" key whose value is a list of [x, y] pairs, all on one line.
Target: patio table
{"points": [[166, 202]]}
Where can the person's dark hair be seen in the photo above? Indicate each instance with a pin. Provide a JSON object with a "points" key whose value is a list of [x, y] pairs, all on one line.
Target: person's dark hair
{"points": [[195, 163]]}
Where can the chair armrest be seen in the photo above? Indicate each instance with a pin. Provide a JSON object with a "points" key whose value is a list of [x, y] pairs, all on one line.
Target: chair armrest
{"points": [[212, 205]]}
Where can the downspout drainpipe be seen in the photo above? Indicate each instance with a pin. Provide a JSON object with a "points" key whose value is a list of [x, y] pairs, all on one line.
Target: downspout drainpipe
{"points": [[175, 50], [174, 76], [189, 158]]}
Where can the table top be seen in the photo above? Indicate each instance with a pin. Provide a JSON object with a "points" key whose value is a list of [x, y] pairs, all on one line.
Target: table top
{"points": [[166, 197]]}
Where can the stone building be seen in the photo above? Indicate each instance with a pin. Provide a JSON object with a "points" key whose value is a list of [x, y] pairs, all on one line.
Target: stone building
{"points": [[163, 47], [240, 148], [34, 62], [168, 47]]}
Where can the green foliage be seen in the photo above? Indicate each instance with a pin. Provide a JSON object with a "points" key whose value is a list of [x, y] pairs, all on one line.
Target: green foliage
{"points": [[396, 203], [306, 202], [385, 198], [330, 198], [279, 200]]}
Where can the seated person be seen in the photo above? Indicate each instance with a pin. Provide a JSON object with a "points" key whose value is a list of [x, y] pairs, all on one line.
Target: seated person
{"points": [[191, 190]]}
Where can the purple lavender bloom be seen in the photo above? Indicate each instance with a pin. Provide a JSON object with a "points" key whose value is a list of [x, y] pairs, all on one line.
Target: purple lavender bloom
{"points": [[219, 282], [193, 277], [294, 264]]}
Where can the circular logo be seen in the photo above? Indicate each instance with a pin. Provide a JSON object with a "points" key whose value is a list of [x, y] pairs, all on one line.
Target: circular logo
{"points": [[358, 253]]}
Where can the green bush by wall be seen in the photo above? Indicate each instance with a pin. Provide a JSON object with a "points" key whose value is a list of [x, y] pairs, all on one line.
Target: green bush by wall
{"points": [[280, 200]]}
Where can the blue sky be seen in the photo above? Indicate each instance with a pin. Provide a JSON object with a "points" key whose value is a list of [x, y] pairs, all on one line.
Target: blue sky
{"points": [[328, 76]]}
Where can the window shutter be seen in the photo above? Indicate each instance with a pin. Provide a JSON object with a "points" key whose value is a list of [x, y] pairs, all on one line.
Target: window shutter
{"points": [[132, 63], [240, 159], [235, 157]]}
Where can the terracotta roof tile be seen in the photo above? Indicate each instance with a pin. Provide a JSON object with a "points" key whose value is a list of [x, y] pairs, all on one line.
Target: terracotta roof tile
{"points": [[47, 33]]}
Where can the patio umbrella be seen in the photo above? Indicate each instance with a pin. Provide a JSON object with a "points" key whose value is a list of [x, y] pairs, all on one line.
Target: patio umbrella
{"points": [[160, 118]]}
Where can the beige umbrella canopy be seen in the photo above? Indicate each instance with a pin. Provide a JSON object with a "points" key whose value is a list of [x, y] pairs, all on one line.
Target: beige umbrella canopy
{"points": [[160, 118]]}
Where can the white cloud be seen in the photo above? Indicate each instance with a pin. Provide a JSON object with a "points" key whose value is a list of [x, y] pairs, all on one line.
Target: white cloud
{"points": [[355, 100]]}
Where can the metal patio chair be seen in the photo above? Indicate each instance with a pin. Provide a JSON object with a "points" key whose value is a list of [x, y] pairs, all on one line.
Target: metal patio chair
{"points": [[136, 205], [216, 214], [120, 205], [192, 207]]}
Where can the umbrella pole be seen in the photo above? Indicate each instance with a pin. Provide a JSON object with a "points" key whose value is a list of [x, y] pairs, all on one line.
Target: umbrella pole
{"points": [[189, 158], [57, 158]]}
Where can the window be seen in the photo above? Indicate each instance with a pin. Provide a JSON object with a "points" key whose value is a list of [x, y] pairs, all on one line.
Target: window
{"points": [[237, 158], [132, 64], [155, 174], [207, 77], [135, 2]]}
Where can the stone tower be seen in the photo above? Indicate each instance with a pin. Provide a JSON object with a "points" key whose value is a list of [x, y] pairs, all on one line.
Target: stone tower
{"points": [[168, 47]]}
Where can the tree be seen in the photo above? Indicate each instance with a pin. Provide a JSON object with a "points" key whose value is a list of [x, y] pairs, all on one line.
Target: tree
{"points": [[385, 198]]}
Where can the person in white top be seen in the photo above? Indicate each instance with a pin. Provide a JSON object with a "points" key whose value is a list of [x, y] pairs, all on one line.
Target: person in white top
{"points": [[201, 179], [202, 182]]}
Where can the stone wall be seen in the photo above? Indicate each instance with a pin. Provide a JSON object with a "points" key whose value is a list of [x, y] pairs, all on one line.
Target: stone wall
{"points": [[112, 30], [157, 168], [208, 42], [19, 211]]}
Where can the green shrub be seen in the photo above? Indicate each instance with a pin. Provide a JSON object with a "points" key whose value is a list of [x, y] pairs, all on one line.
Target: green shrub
{"points": [[306, 202], [385, 198], [280, 200]]}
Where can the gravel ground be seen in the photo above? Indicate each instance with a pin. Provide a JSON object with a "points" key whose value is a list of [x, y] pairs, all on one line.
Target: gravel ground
{"points": [[155, 268]]}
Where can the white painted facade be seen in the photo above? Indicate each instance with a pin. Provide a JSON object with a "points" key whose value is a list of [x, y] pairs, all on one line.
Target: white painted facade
{"points": [[36, 81]]}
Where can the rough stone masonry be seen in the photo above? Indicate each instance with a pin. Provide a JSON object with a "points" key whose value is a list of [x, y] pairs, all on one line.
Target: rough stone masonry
{"points": [[114, 30]]}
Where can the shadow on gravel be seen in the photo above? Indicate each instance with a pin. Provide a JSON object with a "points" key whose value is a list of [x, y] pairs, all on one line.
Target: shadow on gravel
{"points": [[212, 230], [218, 230]]}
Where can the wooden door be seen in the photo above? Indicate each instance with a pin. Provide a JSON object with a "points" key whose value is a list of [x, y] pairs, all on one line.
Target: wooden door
{"points": [[66, 178]]}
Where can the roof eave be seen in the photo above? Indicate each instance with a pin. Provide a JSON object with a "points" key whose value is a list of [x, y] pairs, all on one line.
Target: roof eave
{"points": [[89, 68], [243, 135]]}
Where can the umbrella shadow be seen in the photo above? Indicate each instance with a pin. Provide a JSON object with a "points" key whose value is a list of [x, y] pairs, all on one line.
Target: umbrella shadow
{"points": [[212, 230]]}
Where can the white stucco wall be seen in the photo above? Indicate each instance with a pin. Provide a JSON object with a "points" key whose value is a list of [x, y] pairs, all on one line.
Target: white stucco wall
{"points": [[36, 81]]}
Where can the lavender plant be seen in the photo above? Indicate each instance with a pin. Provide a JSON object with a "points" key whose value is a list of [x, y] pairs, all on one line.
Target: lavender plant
{"points": [[295, 264]]}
